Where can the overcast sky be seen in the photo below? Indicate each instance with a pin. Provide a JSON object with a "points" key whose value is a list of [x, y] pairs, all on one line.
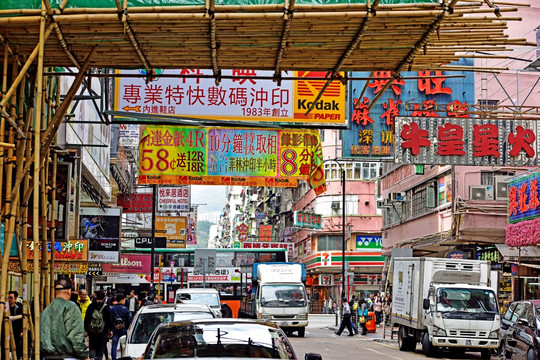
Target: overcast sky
{"points": [[211, 200]]}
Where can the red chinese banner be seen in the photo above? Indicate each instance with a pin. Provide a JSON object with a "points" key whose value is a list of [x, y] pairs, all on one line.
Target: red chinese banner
{"points": [[135, 203], [466, 141], [265, 232]]}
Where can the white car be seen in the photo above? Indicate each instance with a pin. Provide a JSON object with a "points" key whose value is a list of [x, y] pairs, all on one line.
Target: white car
{"points": [[149, 317], [205, 296]]}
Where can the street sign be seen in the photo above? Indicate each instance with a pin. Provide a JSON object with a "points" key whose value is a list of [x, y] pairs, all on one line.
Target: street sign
{"points": [[237, 245], [94, 270], [205, 261]]}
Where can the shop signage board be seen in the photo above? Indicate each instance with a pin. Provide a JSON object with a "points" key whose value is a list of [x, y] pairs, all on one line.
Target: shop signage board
{"points": [[72, 250], [352, 258], [219, 275], [129, 264], [326, 280], [60, 267], [181, 155], [307, 220], [173, 198], [270, 245], [265, 232], [174, 229], [135, 203], [103, 230], [466, 141], [146, 242], [372, 131], [367, 243], [523, 211], [128, 135], [243, 99]]}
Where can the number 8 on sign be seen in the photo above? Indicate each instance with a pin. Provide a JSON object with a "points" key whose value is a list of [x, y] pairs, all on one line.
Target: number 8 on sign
{"points": [[288, 165]]}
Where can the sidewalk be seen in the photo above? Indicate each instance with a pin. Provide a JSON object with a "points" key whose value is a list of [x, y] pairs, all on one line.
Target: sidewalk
{"points": [[329, 322]]}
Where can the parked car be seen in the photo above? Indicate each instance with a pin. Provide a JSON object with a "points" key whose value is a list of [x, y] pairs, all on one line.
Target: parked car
{"points": [[206, 296], [520, 331], [147, 319], [221, 338]]}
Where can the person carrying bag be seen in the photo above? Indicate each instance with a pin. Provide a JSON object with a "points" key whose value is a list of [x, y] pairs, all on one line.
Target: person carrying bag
{"points": [[363, 311]]}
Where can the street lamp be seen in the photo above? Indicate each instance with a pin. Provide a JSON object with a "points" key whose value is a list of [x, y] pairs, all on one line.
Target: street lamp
{"points": [[342, 225]]}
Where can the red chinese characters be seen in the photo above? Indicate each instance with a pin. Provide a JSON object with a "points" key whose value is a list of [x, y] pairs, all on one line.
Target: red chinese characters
{"points": [[414, 138], [450, 140], [377, 85], [391, 112], [432, 85], [361, 113], [512, 201], [522, 198], [486, 141], [521, 141]]}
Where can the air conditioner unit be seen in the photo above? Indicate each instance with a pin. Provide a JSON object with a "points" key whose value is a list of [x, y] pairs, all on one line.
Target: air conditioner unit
{"points": [[501, 187], [480, 192], [399, 196], [383, 204], [335, 205]]}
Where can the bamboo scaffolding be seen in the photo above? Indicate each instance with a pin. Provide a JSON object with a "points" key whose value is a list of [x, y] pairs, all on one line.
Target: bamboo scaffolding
{"points": [[288, 16], [210, 13]]}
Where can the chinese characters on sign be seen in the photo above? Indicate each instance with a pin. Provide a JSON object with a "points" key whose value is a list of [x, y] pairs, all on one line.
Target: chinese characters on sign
{"points": [[230, 156], [523, 198], [372, 132], [174, 229], [171, 198], [307, 220], [466, 141], [265, 232], [241, 99], [72, 250], [135, 203], [270, 245]]}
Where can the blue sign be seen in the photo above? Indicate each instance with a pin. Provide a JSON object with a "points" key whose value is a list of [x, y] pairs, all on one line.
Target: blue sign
{"points": [[368, 242], [523, 199], [13, 251], [371, 132]]}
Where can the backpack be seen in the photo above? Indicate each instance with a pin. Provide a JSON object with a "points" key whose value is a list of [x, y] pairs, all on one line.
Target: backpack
{"points": [[119, 324], [97, 324]]}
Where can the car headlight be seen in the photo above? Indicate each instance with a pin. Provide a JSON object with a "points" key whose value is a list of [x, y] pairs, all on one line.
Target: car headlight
{"points": [[302, 317], [494, 335], [264, 316], [438, 331]]}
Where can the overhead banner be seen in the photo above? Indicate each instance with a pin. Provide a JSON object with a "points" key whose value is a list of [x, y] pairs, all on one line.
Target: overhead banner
{"points": [[371, 132], [466, 141], [230, 156], [242, 99]]}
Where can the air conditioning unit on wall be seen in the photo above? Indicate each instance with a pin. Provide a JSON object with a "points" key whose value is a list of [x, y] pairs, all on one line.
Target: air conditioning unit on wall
{"points": [[501, 187], [480, 192], [335, 205]]}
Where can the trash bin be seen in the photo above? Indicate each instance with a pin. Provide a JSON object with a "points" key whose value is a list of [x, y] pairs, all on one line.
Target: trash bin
{"points": [[371, 323]]}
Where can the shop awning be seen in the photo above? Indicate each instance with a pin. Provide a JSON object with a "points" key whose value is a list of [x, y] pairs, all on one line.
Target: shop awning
{"points": [[511, 253]]}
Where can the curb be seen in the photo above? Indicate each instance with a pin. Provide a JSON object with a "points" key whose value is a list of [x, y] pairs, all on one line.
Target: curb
{"points": [[366, 337]]}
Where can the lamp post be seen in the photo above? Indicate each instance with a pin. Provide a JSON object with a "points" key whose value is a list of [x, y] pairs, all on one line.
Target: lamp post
{"points": [[343, 241]]}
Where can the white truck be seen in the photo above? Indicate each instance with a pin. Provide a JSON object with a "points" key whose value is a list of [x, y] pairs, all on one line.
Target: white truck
{"points": [[278, 295], [445, 304]]}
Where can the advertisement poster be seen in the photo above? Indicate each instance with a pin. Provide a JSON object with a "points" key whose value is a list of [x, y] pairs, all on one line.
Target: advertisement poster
{"points": [[174, 229], [129, 264], [180, 155], [102, 229], [241, 99]]}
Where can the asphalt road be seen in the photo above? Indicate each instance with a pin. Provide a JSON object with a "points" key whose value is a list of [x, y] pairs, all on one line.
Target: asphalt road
{"points": [[320, 338]]}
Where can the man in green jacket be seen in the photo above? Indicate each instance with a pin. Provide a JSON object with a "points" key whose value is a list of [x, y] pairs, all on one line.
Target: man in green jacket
{"points": [[61, 328]]}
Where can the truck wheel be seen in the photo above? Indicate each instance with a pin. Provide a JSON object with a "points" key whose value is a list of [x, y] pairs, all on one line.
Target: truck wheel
{"points": [[427, 347], [402, 339], [531, 355], [302, 332], [486, 354]]}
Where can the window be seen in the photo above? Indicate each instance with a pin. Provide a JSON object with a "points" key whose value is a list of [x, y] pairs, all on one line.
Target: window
{"points": [[329, 242], [419, 200], [353, 170], [321, 132], [488, 177], [510, 311]]}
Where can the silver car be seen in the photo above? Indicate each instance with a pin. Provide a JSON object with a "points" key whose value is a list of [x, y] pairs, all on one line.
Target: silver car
{"points": [[147, 319]]}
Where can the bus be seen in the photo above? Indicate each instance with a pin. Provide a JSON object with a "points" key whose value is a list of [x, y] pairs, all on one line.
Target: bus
{"points": [[232, 277]]}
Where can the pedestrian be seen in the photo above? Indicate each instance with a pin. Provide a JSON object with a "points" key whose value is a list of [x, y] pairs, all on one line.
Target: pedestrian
{"points": [[16, 309], [353, 304], [121, 317], [84, 301], [387, 308], [325, 305], [75, 298], [98, 325], [61, 327], [346, 320], [149, 299], [363, 312], [378, 308], [132, 303]]}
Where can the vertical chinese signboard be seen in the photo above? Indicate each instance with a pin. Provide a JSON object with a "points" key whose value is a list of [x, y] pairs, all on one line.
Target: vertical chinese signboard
{"points": [[372, 132], [240, 99], [523, 211], [265, 232]]}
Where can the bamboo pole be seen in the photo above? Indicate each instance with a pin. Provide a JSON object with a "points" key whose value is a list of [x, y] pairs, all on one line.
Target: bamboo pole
{"points": [[37, 163], [53, 219], [288, 16], [210, 13]]}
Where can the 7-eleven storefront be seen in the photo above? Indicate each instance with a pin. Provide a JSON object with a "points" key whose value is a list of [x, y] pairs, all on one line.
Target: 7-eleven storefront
{"points": [[363, 269]]}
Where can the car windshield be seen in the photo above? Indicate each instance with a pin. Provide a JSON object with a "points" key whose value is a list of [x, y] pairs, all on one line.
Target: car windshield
{"points": [[219, 340], [147, 323], [283, 296], [466, 300], [199, 298]]}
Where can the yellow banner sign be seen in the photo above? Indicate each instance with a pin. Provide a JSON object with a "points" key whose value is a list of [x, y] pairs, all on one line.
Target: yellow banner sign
{"points": [[59, 267], [72, 250], [230, 156]]}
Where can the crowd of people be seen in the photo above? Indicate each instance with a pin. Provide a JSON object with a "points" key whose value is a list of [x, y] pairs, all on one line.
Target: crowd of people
{"points": [[79, 326], [357, 310]]}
